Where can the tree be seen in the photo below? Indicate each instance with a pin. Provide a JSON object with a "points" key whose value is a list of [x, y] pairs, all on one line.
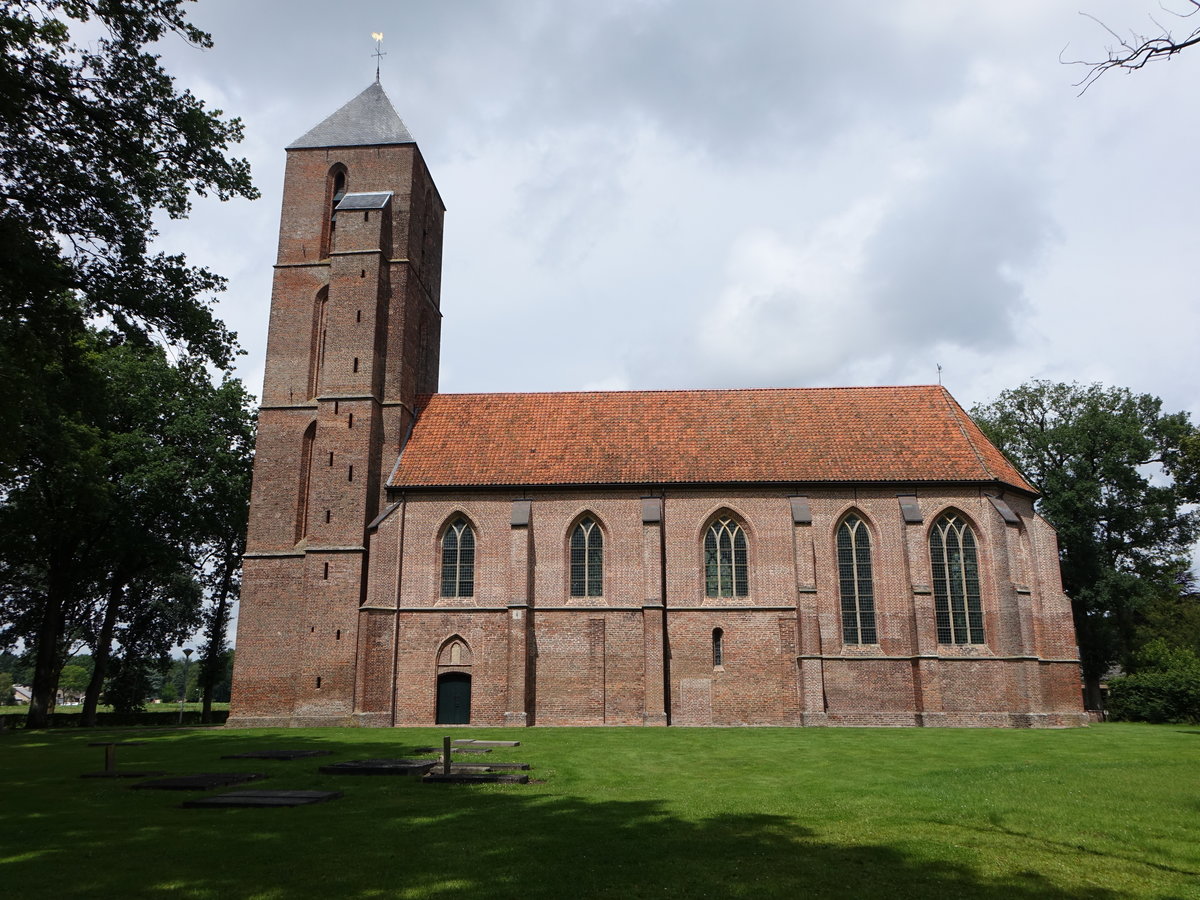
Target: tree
{"points": [[94, 141], [1115, 483], [1174, 617], [7, 697], [166, 448], [73, 681], [1136, 50]]}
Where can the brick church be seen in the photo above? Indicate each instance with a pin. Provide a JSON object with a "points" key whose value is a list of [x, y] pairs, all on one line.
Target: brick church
{"points": [[825, 556]]}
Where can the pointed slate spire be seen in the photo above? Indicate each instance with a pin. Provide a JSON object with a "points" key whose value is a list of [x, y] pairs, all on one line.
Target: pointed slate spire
{"points": [[367, 120]]}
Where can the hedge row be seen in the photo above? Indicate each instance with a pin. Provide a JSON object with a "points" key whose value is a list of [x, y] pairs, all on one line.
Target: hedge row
{"points": [[146, 717], [1170, 696]]}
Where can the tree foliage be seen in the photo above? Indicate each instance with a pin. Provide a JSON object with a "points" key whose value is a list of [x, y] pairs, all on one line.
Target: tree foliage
{"points": [[96, 140], [1165, 686], [114, 471], [137, 515], [1115, 475]]}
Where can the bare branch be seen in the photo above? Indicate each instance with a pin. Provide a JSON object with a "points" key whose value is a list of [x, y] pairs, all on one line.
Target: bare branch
{"points": [[1135, 51]]}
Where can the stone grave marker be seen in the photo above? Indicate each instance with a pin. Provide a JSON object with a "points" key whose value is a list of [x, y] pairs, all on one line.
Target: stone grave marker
{"points": [[279, 754], [203, 781], [398, 766], [258, 799]]}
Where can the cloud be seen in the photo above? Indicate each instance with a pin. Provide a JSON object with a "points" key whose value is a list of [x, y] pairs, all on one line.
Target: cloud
{"points": [[937, 260]]}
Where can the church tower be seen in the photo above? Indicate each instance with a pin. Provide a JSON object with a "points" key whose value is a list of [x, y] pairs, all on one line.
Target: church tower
{"points": [[354, 338]]}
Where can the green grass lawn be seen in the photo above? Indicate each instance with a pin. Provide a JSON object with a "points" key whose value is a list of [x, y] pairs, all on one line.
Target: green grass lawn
{"points": [[1107, 811]]}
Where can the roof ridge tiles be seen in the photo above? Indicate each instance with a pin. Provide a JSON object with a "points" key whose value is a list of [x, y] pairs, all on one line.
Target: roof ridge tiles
{"points": [[691, 391]]}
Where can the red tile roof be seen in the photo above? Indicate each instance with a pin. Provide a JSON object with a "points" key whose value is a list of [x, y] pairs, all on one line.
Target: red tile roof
{"points": [[874, 434]]}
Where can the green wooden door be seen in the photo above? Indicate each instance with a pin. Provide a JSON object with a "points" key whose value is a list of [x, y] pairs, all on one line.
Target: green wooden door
{"points": [[454, 699]]}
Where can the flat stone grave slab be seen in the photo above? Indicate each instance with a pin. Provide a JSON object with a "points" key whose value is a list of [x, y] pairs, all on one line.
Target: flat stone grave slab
{"points": [[279, 754], [123, 773], [487, 743], [489, 767], [476, 778], [203, 781], [454, 750], [262, 799], [398, 766]]}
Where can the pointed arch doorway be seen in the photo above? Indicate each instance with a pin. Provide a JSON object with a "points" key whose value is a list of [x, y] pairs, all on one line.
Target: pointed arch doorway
{"points": [[454, 698]]}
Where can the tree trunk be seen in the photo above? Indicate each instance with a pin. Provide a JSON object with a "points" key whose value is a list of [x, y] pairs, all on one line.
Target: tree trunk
{"points": [[46, 666], [101, 653], [1092, 661], [216, 638]]}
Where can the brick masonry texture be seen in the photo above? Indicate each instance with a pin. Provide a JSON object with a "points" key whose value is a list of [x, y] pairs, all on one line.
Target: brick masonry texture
{"points": [[361, 467]]}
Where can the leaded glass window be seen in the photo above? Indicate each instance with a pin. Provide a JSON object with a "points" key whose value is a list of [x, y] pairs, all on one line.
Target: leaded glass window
{"points": [[725, 572], [587, 559], [458, 560], [854, 576], [955, 581], [718, 648]]}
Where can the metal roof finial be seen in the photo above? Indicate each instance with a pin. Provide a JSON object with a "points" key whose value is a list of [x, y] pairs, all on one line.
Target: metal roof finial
{"points": [[379, 52]]}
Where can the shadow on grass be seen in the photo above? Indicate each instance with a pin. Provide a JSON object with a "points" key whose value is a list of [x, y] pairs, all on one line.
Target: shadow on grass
{"points": [[398, 837], [1066, 847]]}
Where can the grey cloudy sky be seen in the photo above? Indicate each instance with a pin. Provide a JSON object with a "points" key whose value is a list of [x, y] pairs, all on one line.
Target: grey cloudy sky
{"points": [[663, 194]]}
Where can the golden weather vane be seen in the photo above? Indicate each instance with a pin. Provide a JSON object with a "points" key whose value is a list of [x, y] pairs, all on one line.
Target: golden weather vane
{"points": [[379, 52]]}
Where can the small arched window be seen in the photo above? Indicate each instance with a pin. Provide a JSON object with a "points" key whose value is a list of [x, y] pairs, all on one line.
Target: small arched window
{"points": [[955, 581], [458, 560], [725, 572], [339, 189], [854, 578], [718, 648], [335, 187], [587, 559]]}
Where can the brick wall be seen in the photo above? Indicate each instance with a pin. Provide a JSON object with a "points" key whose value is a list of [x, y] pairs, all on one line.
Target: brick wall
{"points": [[599, 660]]}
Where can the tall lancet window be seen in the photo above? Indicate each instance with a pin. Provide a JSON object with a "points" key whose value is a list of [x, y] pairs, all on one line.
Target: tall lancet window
{"points": [[854, 578], [955, 581], [316, 352], [305, 480], [336, 187], [458, 560], [587, 559], [725, 573]]}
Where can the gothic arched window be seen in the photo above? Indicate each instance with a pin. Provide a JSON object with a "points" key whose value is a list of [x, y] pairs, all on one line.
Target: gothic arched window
{"points": [[305, 480], [955, 581], [587, 559], [335, 191], [725, 572], [316, 353], [339, 189], [458, 560], [854, 578]]}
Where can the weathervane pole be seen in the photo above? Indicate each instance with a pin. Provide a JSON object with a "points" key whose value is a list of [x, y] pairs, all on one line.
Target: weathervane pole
{"points": [[378, 54]]}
